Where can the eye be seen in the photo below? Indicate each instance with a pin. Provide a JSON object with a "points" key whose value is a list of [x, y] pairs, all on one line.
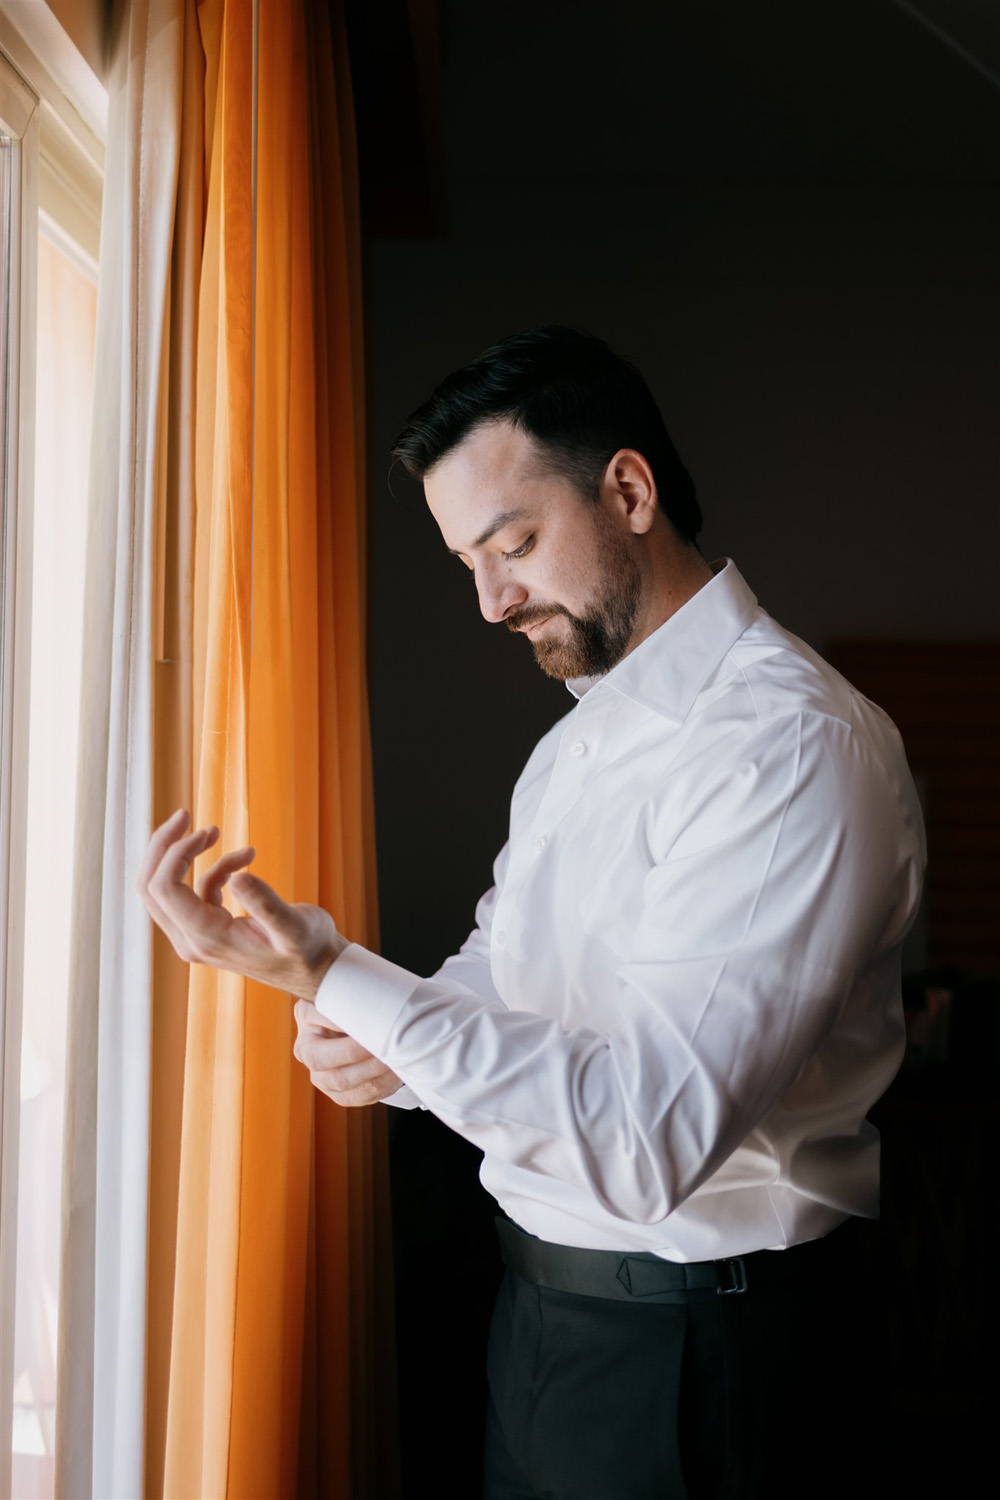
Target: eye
{"points": [[521, 551]]}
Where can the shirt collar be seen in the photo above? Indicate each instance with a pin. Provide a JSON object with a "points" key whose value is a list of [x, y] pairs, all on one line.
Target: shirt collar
{"points": [[668, 669]]}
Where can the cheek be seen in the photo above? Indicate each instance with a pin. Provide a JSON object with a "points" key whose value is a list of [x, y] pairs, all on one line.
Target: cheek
{"points": [[568, 576], [575, 585]]}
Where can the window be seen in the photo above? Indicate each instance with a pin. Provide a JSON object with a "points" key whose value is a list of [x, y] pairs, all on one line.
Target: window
{"points": [[50, 182]]}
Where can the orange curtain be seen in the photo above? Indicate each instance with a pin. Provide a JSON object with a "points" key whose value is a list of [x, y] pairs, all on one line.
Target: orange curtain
{"points": [[280, 1378], [349, 1445]]}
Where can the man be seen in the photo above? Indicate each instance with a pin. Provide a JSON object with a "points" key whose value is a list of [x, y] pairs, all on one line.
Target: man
{"points": [[681, 996]]}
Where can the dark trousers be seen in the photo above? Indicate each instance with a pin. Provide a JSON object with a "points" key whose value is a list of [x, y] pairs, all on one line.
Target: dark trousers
{"points": [[764, 1394]]}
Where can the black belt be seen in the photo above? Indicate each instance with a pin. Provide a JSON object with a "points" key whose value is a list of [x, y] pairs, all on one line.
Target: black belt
{"points": [[642, 1277]]}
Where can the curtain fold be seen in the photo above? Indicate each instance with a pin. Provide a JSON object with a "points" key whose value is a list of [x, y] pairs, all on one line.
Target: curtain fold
{"points": [[201, 1348], [355, 1450], [283, 1279], [102, 1341], [226, 1312], [173, 732]]}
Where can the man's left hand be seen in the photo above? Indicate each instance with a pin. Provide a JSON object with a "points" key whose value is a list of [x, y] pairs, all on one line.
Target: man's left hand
{"points": [[287, 946], [339, 1066]]}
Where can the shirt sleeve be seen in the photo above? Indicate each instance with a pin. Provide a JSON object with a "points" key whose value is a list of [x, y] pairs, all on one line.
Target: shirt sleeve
{"points": [[795, 869], [469, 967]]}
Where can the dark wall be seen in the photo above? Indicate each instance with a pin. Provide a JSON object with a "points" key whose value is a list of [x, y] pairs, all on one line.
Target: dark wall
{"points": [[789, 217], [821, 327], [827, 362]]}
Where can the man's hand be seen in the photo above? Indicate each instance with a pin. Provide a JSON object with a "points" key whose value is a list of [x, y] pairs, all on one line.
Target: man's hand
{"points": [[287, 946], [338, 1065]]}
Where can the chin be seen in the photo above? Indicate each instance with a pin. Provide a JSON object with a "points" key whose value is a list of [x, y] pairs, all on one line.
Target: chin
{"points": [[556, 661]]}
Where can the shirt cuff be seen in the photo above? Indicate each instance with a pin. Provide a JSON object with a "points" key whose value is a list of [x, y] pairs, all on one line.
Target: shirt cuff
{"points": [[363, 994], [405, 1098]]}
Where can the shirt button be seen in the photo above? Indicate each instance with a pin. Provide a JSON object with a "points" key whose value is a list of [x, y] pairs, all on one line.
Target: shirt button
{"points": [[578, 748], [540, 843], [501, 938]]}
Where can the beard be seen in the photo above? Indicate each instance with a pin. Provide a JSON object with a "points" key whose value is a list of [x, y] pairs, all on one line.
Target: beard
{"points": [[598, 640]]}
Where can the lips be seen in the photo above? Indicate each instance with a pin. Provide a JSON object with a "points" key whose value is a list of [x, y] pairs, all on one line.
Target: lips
{"points": [[531, 630]]}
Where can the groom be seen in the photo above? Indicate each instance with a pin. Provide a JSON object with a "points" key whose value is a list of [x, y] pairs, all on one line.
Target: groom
{"points": [[682, 994]]}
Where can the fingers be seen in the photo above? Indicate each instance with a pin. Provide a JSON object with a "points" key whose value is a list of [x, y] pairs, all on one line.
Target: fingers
{"points": [[289, 947], [158, 845], [308, 1016], [339, 1066], [172, 903], [366, 1093], [164, 836], [178, 858], [369, 1091], [210, 886], [161, 883], [326, 1053], [265, 905]]}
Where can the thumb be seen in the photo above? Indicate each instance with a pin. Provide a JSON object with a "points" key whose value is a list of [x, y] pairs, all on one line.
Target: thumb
{"points": [[264, 904]]}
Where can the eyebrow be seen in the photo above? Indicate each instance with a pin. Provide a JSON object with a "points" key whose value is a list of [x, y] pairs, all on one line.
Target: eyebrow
{"points": [[505, 518]]}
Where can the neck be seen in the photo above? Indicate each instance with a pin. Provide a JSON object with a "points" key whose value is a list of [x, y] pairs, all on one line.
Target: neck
{"points": [[673, 574]]}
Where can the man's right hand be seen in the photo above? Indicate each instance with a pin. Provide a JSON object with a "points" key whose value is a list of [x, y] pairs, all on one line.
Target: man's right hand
{"points": [[338, 1065]]}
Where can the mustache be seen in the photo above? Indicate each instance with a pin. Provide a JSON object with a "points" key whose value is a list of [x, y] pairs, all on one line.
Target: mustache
{"points": [[532, 613]]}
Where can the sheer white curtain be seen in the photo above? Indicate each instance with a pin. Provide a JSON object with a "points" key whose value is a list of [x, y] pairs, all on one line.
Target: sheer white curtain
{"points": [[101, 1400]]}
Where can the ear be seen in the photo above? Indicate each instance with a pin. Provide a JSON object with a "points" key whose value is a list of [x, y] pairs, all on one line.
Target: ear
{"points": [[629, 490]]}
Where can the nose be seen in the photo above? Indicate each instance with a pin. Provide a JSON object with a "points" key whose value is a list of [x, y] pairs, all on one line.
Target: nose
{"points": [[499, 593]]}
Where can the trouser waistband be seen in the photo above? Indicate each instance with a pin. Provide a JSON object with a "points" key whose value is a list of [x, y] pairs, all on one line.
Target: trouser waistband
{"points": [[625, 1276]]}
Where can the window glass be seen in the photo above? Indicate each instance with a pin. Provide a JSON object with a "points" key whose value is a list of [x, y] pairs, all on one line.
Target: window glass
{"points": [[67, 306]]}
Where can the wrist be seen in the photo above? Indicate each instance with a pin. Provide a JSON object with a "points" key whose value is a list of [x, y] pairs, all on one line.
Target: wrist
{"points": [[319, 969]]}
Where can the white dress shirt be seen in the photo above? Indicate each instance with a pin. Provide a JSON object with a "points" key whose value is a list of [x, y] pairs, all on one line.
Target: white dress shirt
{"points": [[682, 995]]}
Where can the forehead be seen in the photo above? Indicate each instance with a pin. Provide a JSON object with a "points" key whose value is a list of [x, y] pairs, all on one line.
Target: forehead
{"points": [[497, 469]]}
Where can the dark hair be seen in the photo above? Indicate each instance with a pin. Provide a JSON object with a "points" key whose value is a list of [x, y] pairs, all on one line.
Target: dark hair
{"points": [[571, 393]]}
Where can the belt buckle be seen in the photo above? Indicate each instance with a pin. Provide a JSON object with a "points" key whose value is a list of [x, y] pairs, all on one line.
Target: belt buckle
{"points": [[738, 1276]]}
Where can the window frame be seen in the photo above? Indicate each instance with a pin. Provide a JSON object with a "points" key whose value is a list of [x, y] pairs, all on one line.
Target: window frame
{"points": [[20, 124]]}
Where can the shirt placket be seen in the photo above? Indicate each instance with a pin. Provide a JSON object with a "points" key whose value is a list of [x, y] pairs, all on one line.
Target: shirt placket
{"points": [[578, 760]]}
